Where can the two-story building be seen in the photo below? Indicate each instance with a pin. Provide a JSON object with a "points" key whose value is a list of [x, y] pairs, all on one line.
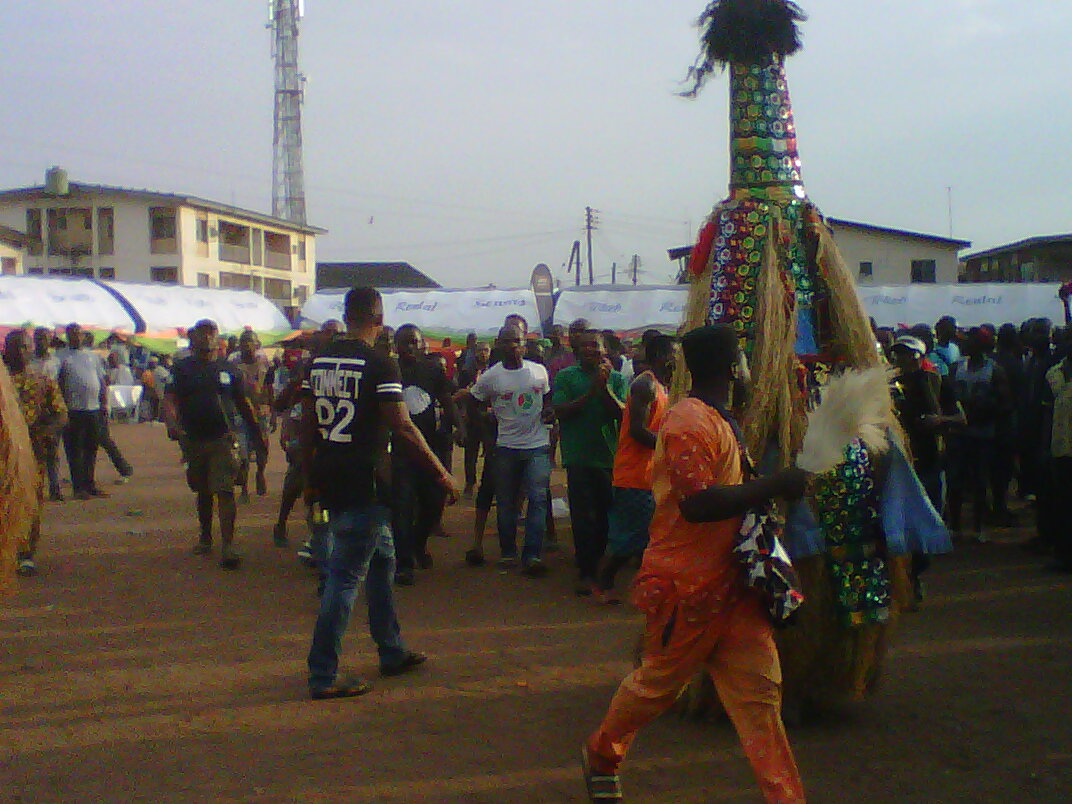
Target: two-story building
{"points": [[131, 235], [1036, 259]]}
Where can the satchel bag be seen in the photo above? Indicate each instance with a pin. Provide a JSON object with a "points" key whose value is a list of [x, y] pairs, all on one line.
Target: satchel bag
{"points": [[763, 558]]}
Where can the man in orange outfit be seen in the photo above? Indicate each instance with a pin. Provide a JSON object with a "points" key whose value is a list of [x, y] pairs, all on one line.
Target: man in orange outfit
{"points": [[700, 613]]}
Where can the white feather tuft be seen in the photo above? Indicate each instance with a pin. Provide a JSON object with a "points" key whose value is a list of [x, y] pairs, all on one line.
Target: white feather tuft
{"points": [[855, 405]]}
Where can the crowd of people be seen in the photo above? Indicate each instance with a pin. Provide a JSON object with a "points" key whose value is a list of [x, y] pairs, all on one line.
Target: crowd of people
{"points": [[367, 419], [987, 412]]}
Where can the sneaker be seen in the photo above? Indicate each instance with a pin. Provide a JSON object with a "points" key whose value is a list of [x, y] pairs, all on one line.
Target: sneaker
{"points": [[507, 562], [305, 554], [350, 688], [405, 577], [229, 559], [122, 479], [202, 548], [533, 568], [26, 567], [412, 660], [279, 535]]}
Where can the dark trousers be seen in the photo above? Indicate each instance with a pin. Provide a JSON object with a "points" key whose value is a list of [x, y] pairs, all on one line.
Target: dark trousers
{"points": [[970, 467], [52, 466], [104, 439], [80, 444], [473, 442], [590, 494], [418, 506], [1054, 523]]}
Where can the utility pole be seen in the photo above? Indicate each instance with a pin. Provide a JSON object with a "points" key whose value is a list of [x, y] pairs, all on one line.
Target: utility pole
{"points": [[575, 261], [635, 266], [590, 223], [613, 272]]}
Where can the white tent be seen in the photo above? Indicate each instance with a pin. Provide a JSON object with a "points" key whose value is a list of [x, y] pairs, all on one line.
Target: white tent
{"points": [[56, 302], [166, 307], [624, 308], [439, 313]]}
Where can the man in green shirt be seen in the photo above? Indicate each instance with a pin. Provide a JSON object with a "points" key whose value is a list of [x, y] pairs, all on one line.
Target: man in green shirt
{"points": [[589, 398]]}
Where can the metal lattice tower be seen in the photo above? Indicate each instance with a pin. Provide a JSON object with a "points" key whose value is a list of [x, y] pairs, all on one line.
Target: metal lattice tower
{"points": [[288, 176]]}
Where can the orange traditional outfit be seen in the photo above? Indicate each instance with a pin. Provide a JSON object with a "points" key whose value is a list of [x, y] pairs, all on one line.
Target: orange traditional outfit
{"points": [[700, 613]]}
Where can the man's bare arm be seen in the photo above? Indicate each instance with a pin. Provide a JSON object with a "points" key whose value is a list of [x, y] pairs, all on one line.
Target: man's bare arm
{"points": [[641, 396], [718, 503]]}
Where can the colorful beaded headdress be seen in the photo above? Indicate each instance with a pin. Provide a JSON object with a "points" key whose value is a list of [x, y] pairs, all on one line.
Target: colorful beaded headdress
{"points": [[765, 261]]}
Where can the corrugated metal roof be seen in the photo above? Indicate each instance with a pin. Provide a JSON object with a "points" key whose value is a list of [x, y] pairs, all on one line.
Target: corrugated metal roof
{"points": [[371, 274], [1020, 245]]}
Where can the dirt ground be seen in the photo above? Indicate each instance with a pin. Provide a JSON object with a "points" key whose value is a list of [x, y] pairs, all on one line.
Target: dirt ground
{"points": [[132, 670]]}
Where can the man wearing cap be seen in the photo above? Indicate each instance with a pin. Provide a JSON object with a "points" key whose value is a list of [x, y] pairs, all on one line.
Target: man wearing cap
{"points": [[925, 409]]}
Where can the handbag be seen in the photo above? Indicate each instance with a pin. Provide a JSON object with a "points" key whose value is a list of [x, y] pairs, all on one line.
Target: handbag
{"points": [[763, 558]]}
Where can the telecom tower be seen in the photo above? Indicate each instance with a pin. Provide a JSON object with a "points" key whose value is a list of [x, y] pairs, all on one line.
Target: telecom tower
{"points": [[288, 177]]}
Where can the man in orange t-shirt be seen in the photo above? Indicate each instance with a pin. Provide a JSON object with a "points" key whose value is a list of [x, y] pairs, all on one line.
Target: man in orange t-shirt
{"points": [[633, 503], [700, 612]]}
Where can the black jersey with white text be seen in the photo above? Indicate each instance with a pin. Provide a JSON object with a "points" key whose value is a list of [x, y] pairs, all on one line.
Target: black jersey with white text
{"points": [[348, 380]]}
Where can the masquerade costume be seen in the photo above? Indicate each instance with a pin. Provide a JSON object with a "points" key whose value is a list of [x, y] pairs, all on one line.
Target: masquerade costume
{"points": [[766, 263]]}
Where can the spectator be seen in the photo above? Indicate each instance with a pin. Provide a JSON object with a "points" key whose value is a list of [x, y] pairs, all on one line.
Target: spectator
{"points": [[517, 390], [200, 406], [253, 367], [473, 414], [418, 498], [45, 362], [924, 414], [567, 357], [1010, 356], [45, 413], [119, 373], [450, 357], [589, 398], [352, 392], [467, 358], [1054, 507], [982, 390], [946, 354], [1033, 437], [84, 385], [633, 503]]}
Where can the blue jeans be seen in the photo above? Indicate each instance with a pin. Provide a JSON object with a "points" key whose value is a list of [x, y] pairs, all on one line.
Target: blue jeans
{"points": [[517, 469], [361, 549]]}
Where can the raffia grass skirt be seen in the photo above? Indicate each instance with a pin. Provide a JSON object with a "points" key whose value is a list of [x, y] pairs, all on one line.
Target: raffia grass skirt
{"points": [[825, 663]]}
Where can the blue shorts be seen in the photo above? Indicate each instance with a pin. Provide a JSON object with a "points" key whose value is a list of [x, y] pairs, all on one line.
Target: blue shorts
{"points": [[630, 517]]}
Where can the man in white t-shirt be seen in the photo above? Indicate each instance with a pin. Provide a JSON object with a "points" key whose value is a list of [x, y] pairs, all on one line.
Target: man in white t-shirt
{"points": [[517, 390]]}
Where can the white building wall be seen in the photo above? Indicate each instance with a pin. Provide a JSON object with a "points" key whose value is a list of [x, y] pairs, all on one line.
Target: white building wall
{"points": [[132, 258], [891, 256]]}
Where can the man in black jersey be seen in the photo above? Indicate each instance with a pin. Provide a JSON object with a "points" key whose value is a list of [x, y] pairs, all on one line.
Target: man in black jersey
{"points": [[352, 392], [201, 404]]}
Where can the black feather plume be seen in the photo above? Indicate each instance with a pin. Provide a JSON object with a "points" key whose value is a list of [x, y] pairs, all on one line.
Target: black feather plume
{"points": [[744, 32]]}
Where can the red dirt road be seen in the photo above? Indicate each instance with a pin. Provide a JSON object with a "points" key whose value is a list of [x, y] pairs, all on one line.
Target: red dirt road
{"points": [[134, 671]]}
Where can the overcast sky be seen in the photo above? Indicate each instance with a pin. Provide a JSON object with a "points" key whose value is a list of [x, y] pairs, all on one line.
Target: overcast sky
{"points": [[467, 136]]}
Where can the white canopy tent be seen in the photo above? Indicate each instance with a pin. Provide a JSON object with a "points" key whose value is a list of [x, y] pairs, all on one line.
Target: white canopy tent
{"points": [[439, 313], [167, 307], [56, 302]]}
